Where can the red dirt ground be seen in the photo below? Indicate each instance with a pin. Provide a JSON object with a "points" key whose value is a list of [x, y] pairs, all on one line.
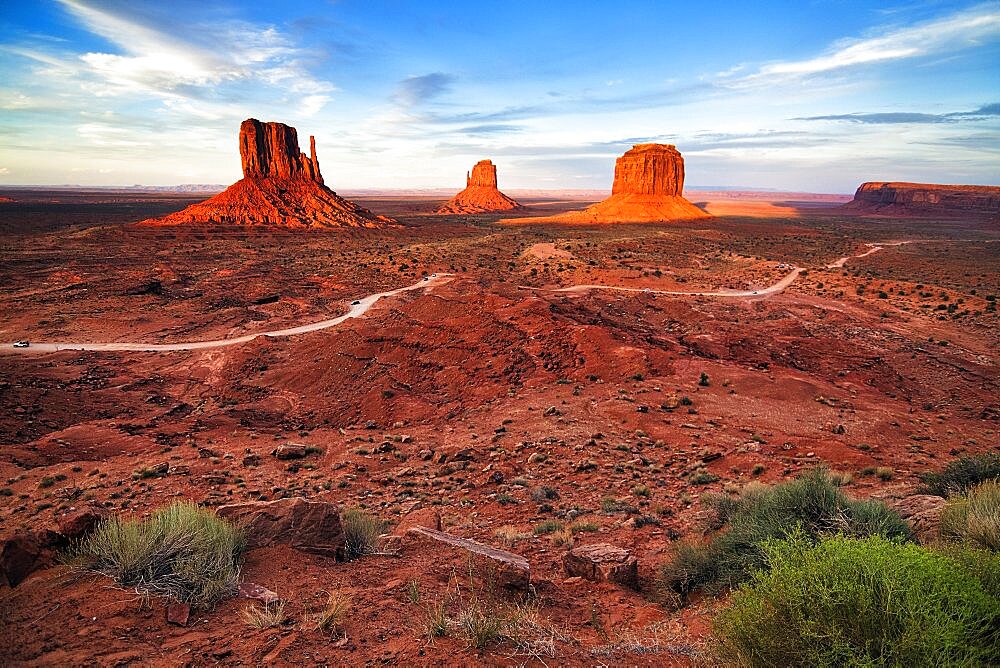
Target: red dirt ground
{"points": [[890, 361]]}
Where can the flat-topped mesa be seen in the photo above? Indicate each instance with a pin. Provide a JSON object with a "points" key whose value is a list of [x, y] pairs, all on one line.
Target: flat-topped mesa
{"points": [[649, 169], [281, 187], [481, 194], [271, 150], [899, 198], [649, 180]]}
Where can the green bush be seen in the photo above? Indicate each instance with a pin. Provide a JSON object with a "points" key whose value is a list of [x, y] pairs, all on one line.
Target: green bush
{"points": [[974, 518], [811, 504], [867, 602], [362, 531], [182, 551], [961, 474]]}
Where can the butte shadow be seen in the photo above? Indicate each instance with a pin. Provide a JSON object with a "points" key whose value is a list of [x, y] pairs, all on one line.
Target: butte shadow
{"points": [[281, 187], [649, 180]]}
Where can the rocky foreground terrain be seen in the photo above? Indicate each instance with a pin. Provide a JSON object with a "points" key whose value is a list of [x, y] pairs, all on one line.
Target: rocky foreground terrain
{"points": [[489, 407]]}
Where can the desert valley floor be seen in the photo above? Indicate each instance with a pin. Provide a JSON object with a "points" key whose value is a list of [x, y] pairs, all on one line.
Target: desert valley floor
{"points": [[491, 399]]}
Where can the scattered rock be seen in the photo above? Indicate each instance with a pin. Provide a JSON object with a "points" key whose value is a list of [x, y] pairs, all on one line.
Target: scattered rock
{"points": [[600, 562], [511, 570], [255, 591], [310, 526], [75, 524], [290, 451], [26, 552], [178, 613]]}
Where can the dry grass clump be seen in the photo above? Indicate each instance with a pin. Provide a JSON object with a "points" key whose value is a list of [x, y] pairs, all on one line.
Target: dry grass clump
{"points": [[182, 551], [509, 535], [331, 618], [265, 615], [974, 517]]}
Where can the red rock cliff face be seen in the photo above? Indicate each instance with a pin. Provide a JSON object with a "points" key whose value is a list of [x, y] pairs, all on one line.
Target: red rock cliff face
{"points": [[649, 169], [484, 174], [272, 150], [281, 187], [649, 180], [481, 194], [926, 198]]}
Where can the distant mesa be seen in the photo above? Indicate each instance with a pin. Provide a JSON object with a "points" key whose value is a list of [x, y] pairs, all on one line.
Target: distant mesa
{"points": [[648, 187], [281, 187], [925, 199], [4, 200], [481, 194]]}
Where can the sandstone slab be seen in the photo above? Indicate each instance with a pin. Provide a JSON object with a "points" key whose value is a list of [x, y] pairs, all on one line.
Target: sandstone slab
{"points": [[600, 562], [310, 526], [511, 571]]}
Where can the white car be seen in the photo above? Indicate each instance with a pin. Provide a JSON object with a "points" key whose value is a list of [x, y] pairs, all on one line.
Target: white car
{"points": [[21, 344]]}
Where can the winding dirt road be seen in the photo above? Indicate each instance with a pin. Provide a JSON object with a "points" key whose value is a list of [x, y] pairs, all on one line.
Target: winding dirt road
{"points": [[356, 311], [364, 304]]}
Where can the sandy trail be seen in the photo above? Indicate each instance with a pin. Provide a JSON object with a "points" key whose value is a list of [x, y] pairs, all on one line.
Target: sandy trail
{"points": [[355, 311]]}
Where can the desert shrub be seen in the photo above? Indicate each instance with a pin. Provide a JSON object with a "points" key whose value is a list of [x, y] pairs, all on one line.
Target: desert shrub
{"points": [[509, 535], [810, 504], [362, 531], [860, 602], [182, 551], [974, 517], [548, 526], [961, 474]]}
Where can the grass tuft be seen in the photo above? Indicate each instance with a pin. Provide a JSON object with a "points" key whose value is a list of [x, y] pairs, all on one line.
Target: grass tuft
{"points": [[363, 532], [974, 518], [182, 551], [264, 616], [961, 474]]}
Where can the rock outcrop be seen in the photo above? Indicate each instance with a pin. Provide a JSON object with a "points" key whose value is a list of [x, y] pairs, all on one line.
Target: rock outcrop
{"points": [[481, 194], [648, 187], [926, 199], [310, 526], [281, 186]]}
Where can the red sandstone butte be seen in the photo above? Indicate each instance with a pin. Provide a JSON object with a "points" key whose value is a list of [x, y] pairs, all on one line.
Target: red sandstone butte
{"points": [[481, 194], [281, 187], [648, 187], [923, 199]]}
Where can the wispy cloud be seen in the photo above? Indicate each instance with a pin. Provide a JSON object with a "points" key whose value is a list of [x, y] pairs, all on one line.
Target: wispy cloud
{"points": [[161, 63], [890, 118], [957, 31], [416, 90]]}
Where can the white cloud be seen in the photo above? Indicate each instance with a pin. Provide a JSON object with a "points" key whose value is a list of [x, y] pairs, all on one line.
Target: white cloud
{"points": [[4, 170], [951, 33]]}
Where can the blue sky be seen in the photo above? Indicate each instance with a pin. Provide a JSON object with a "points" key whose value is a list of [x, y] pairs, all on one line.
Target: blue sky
{"points": [[813, 95]]}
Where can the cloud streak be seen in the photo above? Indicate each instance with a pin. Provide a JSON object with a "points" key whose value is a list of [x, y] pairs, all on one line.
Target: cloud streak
{"points": [[892, 118]]}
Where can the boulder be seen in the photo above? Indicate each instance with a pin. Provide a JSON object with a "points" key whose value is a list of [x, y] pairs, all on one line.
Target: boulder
{"points": [[481, 194], [178, 613], [600, 562], [310, 526], [290, 451], [23, 553], [510, 570], [923, 513]]}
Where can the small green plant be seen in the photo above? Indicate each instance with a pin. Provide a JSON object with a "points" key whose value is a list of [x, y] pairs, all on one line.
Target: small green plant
{"points": [[584, 527], [363, 532], [867, 602], [641, 491], [974, 518], [961, 474], [703, 380], [182, 551], [703, 478], [562, 538], [547, 527], [758, 469], [610, 505], [509, 535], [436, 619], [413, 591], [884, 473], [506, 499], [265, 615], [810, 504]]}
